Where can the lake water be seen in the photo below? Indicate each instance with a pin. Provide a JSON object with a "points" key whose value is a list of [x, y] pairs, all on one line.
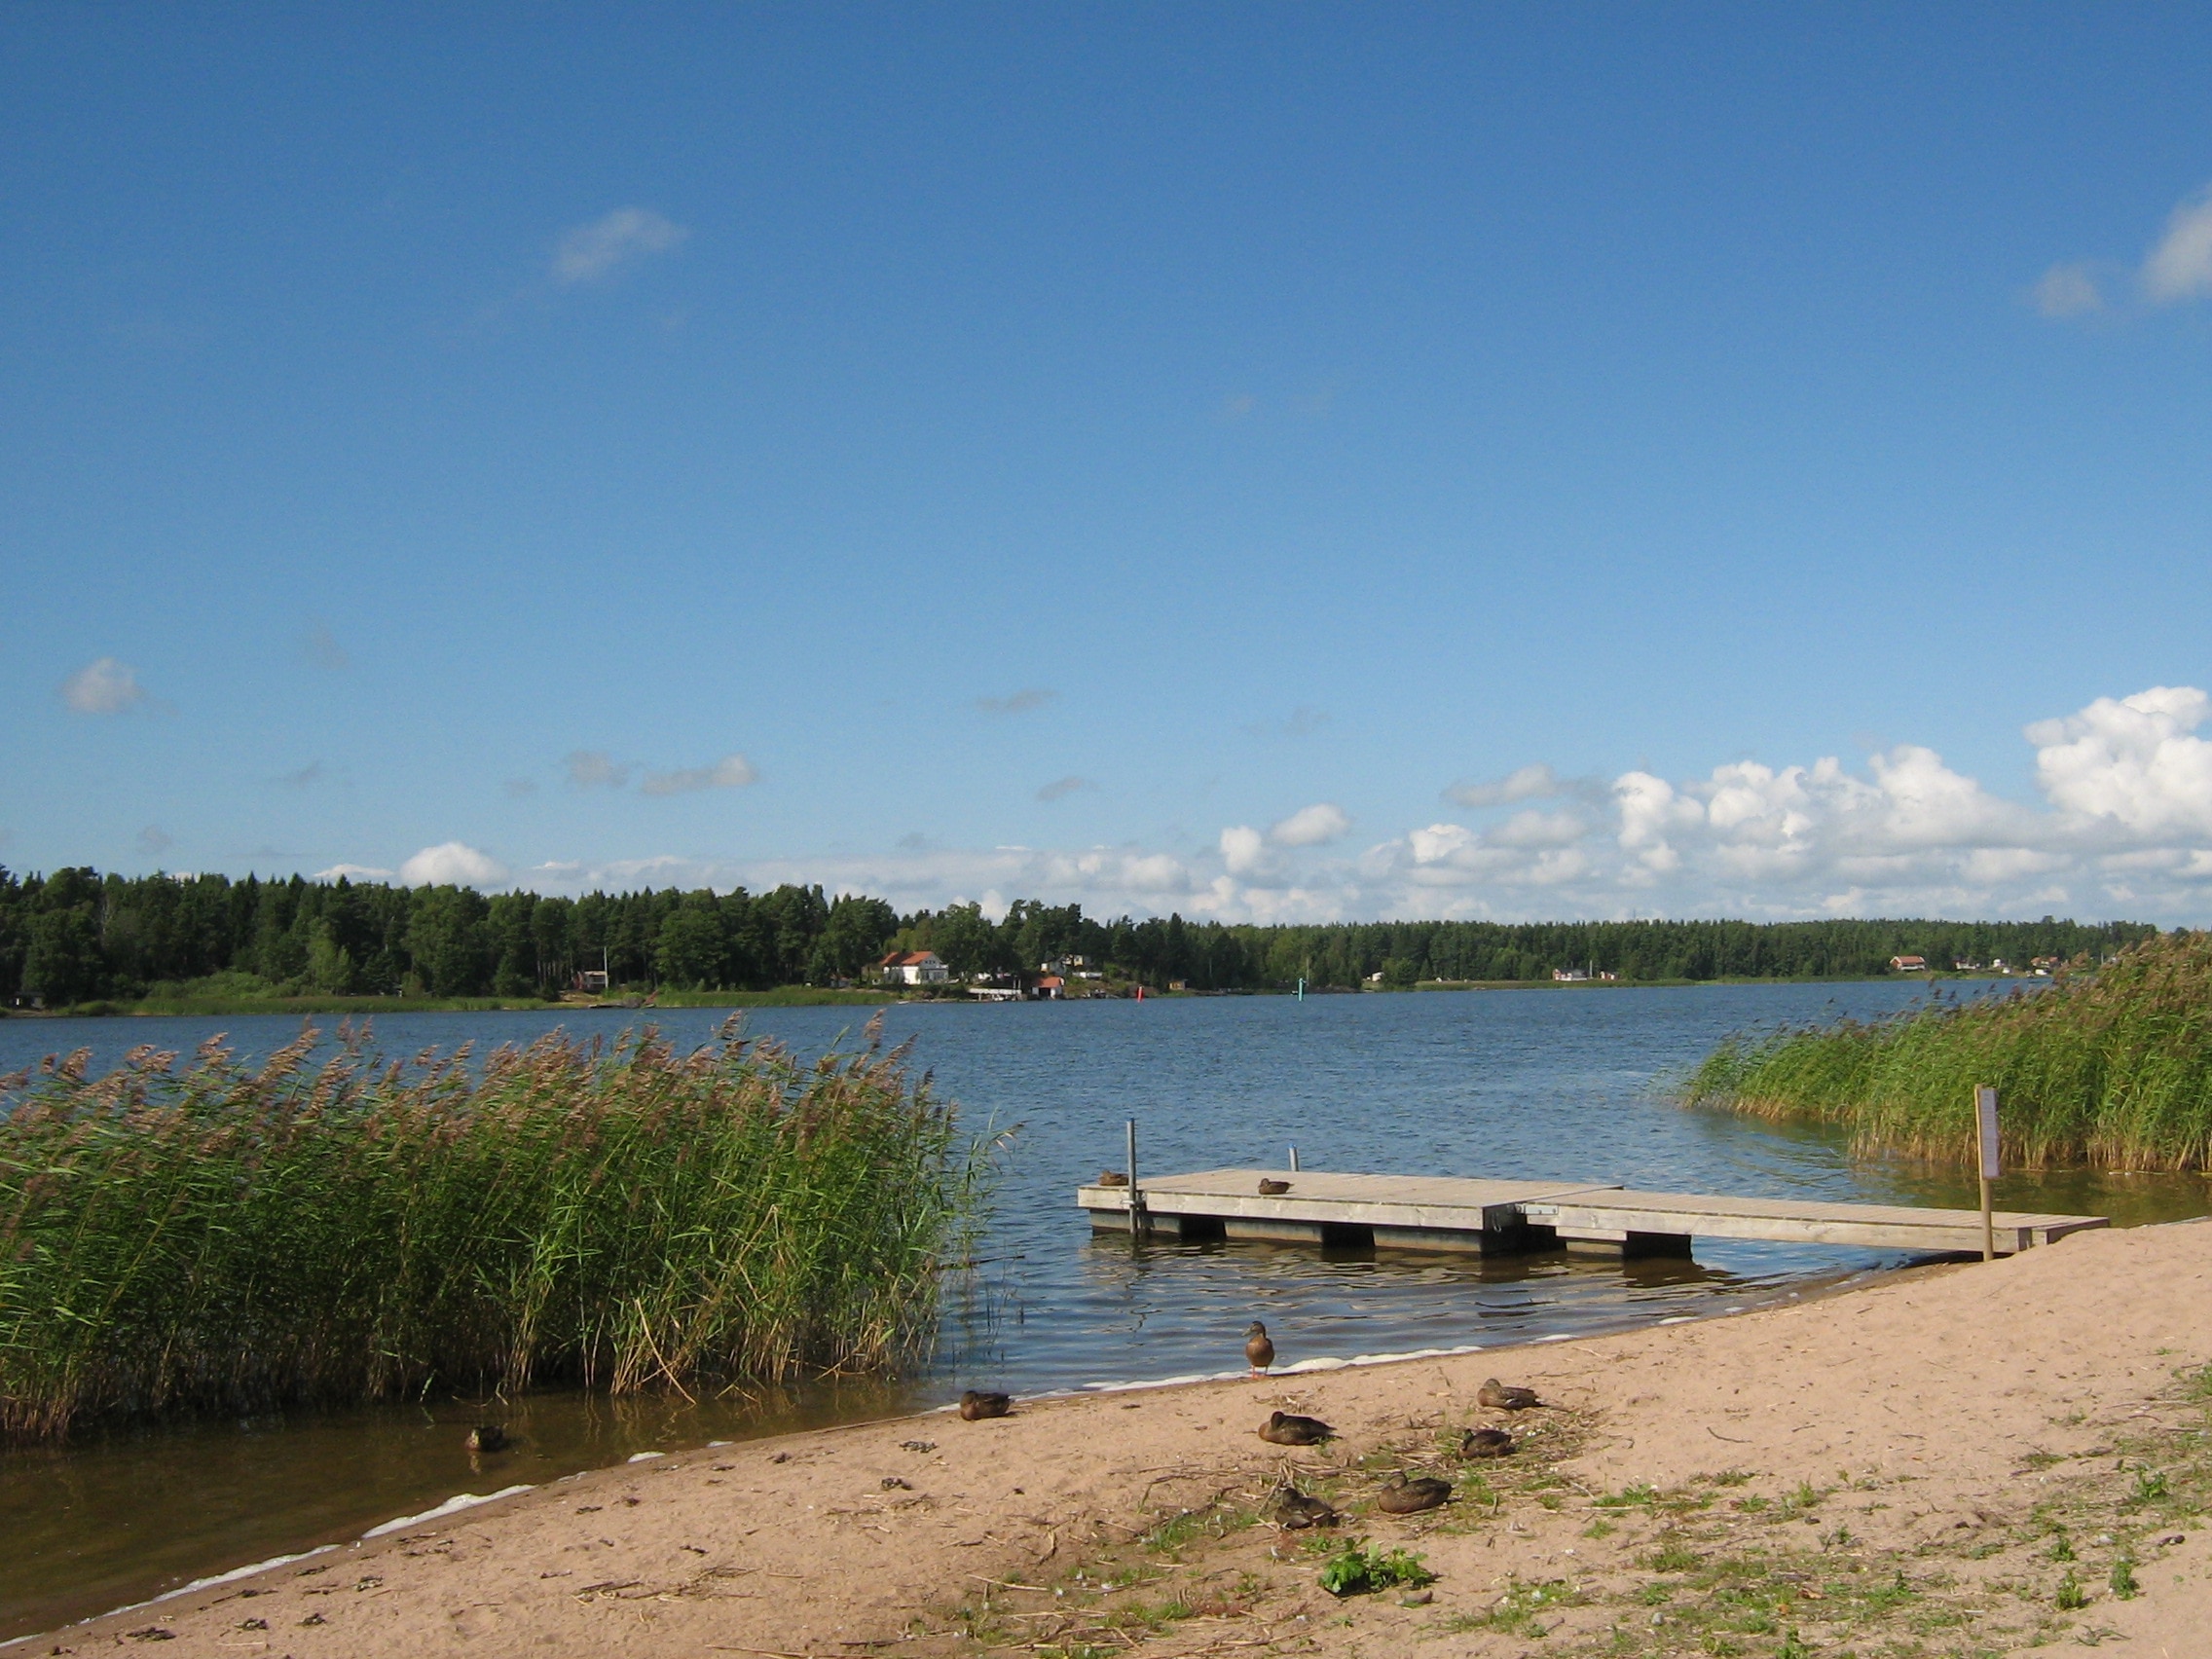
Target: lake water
{"points": [[1540, 1083]]}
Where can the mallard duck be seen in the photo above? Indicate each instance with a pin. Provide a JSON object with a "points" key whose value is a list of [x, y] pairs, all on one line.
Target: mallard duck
{"points": [[1486, 1443], [1259, 1349], [1285, 1430], [976, 1405], [487, 1437], [1270, 1188], [1113, 1178], [1502, 1397], [1294, 1511], [1410, 1497]]}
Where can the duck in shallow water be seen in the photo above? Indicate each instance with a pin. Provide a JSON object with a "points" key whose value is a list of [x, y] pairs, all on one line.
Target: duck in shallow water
{"points": [[487, 1437], [1505, 1397], [975, 1405], [1285, 1429], [1410, 1497]]}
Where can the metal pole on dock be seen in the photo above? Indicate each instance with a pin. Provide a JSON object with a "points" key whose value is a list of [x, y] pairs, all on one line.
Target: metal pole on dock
{"points": [[1985, 1120], [1294, 1161]]}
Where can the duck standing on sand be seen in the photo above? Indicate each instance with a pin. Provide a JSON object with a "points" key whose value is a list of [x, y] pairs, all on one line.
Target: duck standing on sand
{"points": [[975, 1405], [1410, 1497], [1503, 1397], [1486, 1443], [1259, 1349], [1294, 1511], [1285, 1429]]}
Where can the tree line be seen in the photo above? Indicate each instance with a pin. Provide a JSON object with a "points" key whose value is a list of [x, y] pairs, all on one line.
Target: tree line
{"points": [[76, 936]]}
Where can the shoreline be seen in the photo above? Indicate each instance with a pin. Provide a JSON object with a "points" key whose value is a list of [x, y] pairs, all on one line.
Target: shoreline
{"points": [[1927, 1434]]}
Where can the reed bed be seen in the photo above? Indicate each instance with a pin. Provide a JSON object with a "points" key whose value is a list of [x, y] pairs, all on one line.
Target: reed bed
{"points": [[2111, 1067], [222, 1237]]}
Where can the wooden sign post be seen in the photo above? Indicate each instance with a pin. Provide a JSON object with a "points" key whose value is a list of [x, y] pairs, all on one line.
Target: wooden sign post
{"points": [[1985, 1119]]}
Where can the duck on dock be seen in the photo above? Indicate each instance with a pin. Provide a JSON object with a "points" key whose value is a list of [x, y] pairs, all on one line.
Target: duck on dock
{"points": [[1271, 1188]]}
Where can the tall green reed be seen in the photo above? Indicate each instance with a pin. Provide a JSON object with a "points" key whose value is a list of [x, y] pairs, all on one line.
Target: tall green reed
{"points": [[2110, 1066], [225, 1238]]}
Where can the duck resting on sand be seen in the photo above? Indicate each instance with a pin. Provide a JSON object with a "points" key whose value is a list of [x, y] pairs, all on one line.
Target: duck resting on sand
{"points": [[1503, 1397], [1294, 1511], [1273, 1189], [1410, 1497], [1486, 1443], [976, 1405], [487, 1437], [1259, 1351], [1285, 1429]]}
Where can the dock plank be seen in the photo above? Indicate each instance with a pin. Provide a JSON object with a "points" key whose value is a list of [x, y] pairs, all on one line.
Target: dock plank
{"points": [[1453, 1212]]}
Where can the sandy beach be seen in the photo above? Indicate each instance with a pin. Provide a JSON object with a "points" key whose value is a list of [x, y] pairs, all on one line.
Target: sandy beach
{"points": [[1973, 1459]]}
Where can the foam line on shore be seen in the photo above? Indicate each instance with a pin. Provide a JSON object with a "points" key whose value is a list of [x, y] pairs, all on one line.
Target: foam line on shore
{"points": [[207, 1583], [452, 1506]]}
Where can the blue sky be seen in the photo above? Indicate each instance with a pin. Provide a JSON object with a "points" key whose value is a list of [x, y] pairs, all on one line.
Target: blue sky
{"points": [[1261, 461]]}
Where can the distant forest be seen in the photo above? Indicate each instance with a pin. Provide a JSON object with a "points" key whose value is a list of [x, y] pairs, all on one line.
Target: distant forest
{"points": [[76, 936]]}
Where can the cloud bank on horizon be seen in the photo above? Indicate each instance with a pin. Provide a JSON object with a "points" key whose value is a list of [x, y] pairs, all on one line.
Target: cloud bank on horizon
{"points": [[2125, 829]]}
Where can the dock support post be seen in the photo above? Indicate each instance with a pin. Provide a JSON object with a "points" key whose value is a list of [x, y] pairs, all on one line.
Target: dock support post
{"points": [[1137, 1227], [1985, 1120], [1294, 1161]]}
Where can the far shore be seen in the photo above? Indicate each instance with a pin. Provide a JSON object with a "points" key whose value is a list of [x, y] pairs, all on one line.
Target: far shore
{"points": [[1986, 1458], [826, 996]]}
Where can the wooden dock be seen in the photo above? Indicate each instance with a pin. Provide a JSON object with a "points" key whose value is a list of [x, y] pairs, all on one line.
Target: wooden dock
{"points": [[1439, 1212]]}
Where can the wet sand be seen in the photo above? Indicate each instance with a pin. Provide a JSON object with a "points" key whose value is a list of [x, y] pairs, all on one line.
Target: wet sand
{"points": [[1946, 1427]]}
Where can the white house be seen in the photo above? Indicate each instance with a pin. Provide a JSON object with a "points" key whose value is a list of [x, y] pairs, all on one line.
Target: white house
{"points": [[912, 967]]}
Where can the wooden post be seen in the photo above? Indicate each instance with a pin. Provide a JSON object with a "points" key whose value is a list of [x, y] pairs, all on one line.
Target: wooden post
{"points": [[1985, 1120], [1136, 1198]]}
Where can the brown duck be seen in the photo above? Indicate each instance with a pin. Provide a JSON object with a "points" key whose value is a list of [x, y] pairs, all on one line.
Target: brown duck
{"points": [[1503, 1397], [1259, 1349], [1410, 1497], [1285, 1429], [1270, 1188], [1486, 1443], [1294, 1511], [487, 1437], [1113, 1178], [976, 1405]]}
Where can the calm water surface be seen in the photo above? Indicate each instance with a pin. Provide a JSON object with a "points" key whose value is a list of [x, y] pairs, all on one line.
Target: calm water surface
{"points": [[1542, 1085]]}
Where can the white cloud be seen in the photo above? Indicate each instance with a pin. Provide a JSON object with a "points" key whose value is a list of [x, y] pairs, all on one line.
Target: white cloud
{"points": [[353, 873], [1530, 783], [596, 769], [2123, 827], [730, 772], [455, 863], [1243, 850], [2068, 290], [599, 249], [2132, 763], [104, 686], [2180, 267], [1313, 826]]}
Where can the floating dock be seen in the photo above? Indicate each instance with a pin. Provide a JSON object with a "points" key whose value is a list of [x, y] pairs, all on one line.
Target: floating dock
{"points": [[1440, 1212]]}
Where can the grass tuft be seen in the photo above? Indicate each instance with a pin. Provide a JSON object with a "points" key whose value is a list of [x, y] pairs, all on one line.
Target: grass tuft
{"points": [[2111, 1066], [225, 1238]]}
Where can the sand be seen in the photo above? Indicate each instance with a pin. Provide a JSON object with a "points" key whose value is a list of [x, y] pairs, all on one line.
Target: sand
{"points": [[1898, 1463]]}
